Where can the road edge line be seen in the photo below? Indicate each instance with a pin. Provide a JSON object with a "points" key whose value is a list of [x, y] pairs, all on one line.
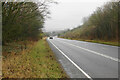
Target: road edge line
{"points": [[72, 62]]}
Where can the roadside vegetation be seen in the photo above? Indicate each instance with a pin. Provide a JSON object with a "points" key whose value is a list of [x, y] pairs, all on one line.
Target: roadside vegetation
{"points": [[25, 53], [21, 21], [101, 26], [37, 61]]}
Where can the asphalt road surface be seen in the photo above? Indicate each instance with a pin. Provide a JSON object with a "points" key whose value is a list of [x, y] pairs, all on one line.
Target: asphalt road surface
{"points": [[86, 60]]}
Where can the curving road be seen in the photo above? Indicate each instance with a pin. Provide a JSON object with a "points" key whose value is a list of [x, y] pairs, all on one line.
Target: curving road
{"points": [[86, 60]]}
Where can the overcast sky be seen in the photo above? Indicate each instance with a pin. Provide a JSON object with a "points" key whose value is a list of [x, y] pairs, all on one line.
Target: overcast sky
{"points": [[69, 13]]}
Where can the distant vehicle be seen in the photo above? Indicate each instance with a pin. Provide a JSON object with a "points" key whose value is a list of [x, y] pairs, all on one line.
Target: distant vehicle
{"points": [[51, 37]]}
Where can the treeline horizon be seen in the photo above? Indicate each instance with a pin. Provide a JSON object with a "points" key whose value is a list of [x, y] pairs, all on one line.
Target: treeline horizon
{"points": [[102, 24], [23, 20]]}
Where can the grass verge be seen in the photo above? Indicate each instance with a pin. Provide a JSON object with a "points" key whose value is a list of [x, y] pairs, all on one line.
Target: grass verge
{"points": [[37, 61], [113, 43]]}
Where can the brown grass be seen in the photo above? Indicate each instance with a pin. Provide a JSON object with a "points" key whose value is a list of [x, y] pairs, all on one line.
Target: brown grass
{"points": [[37, 61]]}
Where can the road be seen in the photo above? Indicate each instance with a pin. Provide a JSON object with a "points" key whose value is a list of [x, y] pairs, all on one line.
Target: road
{"points": [[86, 60]]}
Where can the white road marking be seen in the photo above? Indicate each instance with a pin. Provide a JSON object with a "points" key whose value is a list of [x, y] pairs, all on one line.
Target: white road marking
{"points": [[106, 56], [73, 62]]}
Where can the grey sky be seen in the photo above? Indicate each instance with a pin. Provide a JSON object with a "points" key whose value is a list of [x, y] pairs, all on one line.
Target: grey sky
{"points": [[69, 13]]}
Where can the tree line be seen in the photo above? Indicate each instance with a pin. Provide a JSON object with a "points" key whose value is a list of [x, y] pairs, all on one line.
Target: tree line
{"points": [[101, 25], [23, 20]]}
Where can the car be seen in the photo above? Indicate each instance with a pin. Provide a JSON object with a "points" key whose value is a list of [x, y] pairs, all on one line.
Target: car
{"points": [[51, 38]]}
